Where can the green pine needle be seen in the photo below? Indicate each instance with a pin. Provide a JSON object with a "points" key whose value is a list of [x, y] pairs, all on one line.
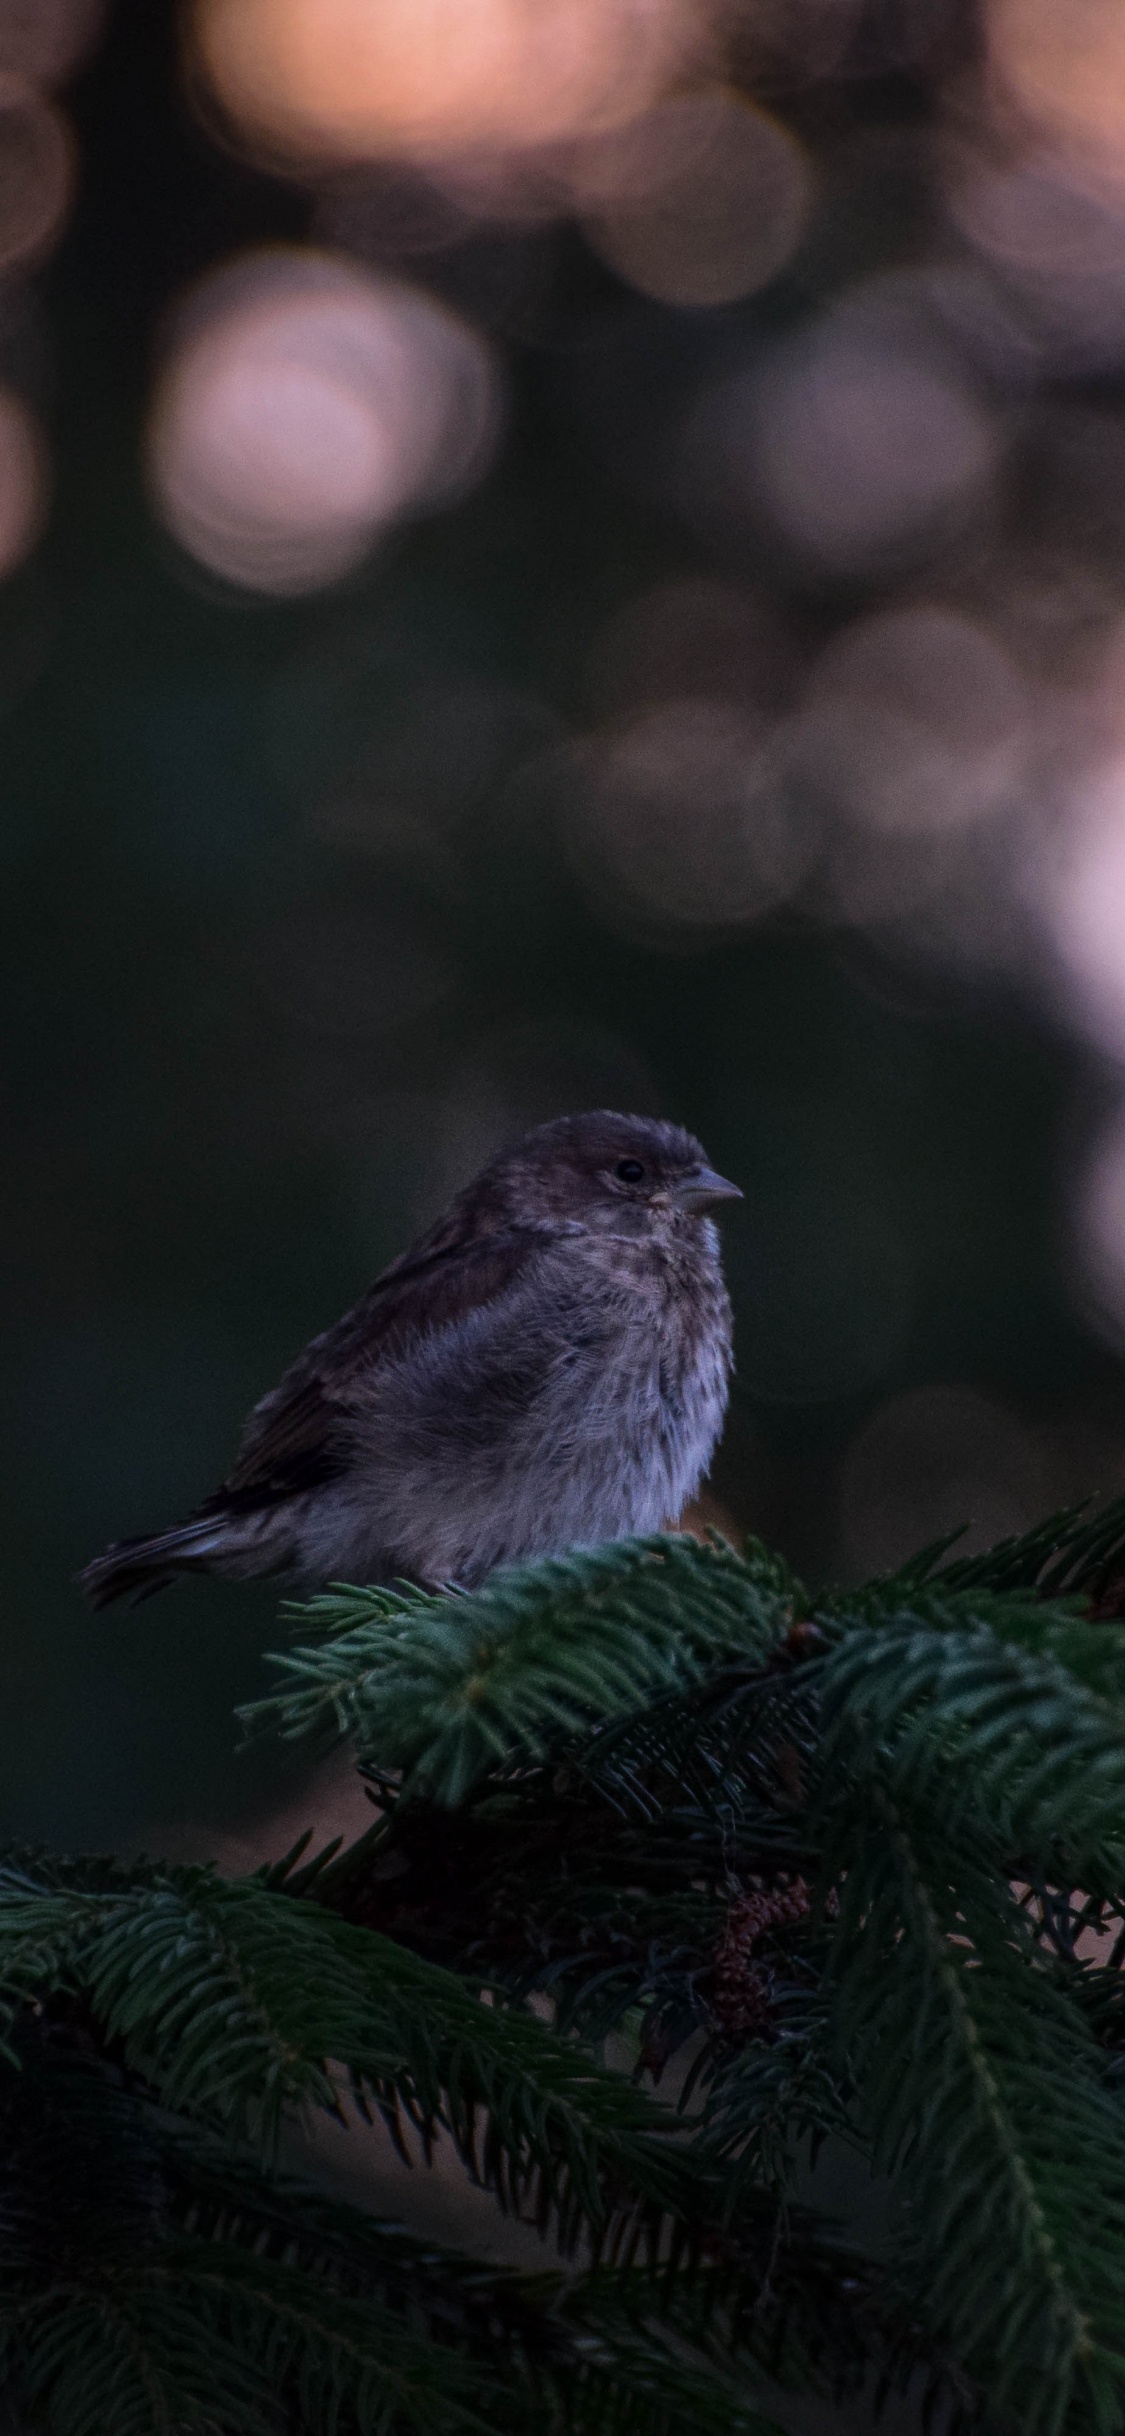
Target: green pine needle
{"points": [[444, 1688]]}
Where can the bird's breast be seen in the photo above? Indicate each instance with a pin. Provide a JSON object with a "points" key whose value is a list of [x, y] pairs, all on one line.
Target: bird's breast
{"points": [[664, 1319], [582, 1406]]}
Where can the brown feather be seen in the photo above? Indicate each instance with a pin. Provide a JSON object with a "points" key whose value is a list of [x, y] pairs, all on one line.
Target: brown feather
{"points": [[298, 1436]]}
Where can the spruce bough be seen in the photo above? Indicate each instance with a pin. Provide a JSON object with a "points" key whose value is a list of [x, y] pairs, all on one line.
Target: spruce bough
{"points": [[772, 1868]]}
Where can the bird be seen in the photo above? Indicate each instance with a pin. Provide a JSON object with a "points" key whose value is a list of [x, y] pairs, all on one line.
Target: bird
{"points": [[547, 1367]]}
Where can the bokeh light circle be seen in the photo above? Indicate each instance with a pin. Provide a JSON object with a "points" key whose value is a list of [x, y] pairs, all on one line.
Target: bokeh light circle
{"points": [[1065, 67], [692, 637], [305, 406], [1083, 893], [23, 482], [699, 202], [913, 723], [46, 39], [36, 172], [683, 820], [324, 80], [1097, 1231], [866, 442], [1058, 247]]}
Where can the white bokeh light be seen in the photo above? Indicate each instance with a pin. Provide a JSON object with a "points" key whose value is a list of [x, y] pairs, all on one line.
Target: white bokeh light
{"points": [[1057, 246], [913, 723], [1083, 896], [305, 406], [681, 819], [864, 438], [1098, 1232]]}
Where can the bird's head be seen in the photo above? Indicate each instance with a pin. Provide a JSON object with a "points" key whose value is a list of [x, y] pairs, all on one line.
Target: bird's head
{"points": [[615, 1174]]}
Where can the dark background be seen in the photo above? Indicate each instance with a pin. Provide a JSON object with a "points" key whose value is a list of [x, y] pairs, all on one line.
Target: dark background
{"points": [[291, 936]]}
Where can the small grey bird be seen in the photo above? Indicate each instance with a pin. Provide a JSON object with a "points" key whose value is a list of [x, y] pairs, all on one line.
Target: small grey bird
{"points": [[547, 1367]]}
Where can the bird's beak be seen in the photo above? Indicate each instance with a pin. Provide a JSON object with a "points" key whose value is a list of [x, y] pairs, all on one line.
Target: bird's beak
{"points": [[703, 1189]]}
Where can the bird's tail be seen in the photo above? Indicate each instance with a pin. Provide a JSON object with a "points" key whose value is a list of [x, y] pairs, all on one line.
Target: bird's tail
{"points": [[135, 1568]]}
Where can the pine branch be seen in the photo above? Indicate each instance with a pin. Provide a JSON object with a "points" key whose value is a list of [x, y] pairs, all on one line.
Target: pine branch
{"points": [[591, 2348], [977, 1708], [126, 2358], [158, 2274], [446, 1688], [1074, 1554], [1071, 1554], [982, 2090], [736, 1745], [563, 2340], [690, 1809], [991, 1719], [767, 2097], [546, 1887], [237, 2005]]}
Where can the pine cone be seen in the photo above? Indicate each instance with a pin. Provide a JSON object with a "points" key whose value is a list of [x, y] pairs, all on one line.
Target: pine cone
{"points": [[743, 1987]]}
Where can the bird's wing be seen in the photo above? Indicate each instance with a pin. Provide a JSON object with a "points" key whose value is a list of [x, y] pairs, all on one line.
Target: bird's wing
{"points": [[298, 1437]]}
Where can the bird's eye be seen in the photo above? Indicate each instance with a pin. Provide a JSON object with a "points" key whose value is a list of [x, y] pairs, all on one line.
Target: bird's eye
{"points": [[630, 1171]]}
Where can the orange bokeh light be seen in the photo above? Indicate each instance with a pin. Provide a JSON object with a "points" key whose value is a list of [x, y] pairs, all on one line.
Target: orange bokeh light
{"points": [[331, 80], [1064, 66]]}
